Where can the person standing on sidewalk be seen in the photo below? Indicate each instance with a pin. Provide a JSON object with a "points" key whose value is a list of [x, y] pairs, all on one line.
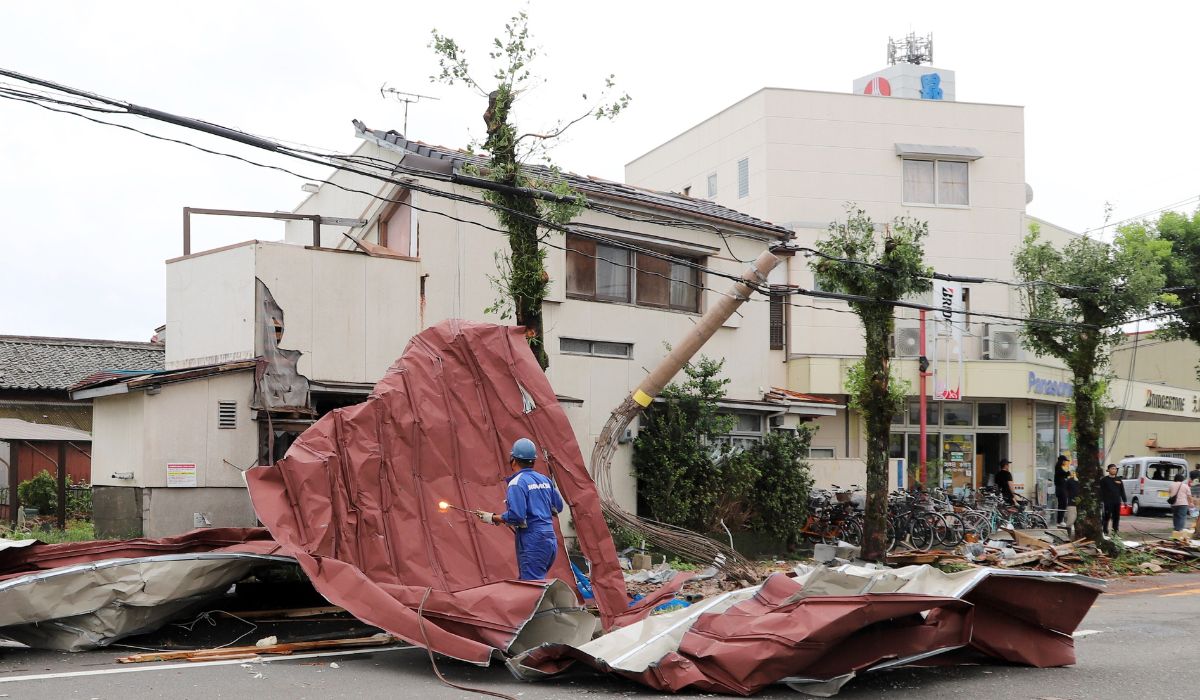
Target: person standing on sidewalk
{"points": [[1180, 500], [1062, 472], [1112, 495]]}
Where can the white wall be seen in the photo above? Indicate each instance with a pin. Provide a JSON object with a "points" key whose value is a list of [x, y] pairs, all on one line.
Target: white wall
{"points": [[210, 307], [141, 433]]}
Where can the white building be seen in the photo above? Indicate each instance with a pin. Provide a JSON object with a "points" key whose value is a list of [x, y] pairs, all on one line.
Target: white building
{"points": [[796, 157], [326, 318]]}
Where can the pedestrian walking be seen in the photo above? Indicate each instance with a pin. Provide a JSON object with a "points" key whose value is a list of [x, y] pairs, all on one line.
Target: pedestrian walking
{"points": [[1072, 502], [1061, 473], [1180, 500], [1112, 495]]}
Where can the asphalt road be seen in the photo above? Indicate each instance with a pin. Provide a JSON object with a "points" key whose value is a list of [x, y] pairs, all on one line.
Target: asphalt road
{"points": [[1139, 633]]}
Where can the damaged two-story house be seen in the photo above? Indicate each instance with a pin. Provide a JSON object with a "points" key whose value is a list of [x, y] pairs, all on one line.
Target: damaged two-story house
{"points": [[264, 337]]}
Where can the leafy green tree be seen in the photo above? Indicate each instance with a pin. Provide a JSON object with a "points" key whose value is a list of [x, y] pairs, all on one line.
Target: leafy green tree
{"points": [[780, 496], [1077, 299], [522, 278], [677, 458], [882, 266]]}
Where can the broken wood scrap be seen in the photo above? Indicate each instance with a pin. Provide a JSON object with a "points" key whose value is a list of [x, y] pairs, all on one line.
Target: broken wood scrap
{"points": [[252, 651], [288, 612]]}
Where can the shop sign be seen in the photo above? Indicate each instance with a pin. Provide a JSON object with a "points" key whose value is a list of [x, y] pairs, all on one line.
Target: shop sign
{"points": [[1050, 387], [1164, 401]]}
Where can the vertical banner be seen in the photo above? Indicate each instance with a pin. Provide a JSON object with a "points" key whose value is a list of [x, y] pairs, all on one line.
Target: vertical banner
{"points": [[948, 380]]}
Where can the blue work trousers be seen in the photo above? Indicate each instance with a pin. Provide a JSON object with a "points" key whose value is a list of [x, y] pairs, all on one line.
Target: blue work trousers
{"points": [[536, 549]]}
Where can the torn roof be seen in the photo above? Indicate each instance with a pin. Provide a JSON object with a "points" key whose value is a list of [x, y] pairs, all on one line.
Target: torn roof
{"points": [[451, 160], [15, 429], [104, 383], [33, 362]]}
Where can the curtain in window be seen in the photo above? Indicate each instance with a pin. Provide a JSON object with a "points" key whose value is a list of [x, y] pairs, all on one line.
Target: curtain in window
{"points": [[952, 182], [918, 181], [612, 273], [684, 293]]}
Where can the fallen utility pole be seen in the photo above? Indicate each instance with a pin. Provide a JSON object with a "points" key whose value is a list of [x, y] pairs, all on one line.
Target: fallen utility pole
{"points": [[690, 545]]}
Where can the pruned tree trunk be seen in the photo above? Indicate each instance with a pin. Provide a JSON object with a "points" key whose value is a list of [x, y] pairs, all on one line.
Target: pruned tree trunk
{"points": [[878, 417]]}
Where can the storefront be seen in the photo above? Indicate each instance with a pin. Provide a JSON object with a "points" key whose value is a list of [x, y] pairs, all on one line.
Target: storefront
{"points": [[965, 440]]}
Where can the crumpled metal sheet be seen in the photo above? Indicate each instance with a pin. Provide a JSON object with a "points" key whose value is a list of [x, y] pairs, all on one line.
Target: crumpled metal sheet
{"points": [[82, 595], [818, 630], [354, 501]]}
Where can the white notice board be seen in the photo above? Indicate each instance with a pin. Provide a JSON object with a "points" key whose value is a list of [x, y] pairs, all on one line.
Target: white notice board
{"points": [[181, 475]]}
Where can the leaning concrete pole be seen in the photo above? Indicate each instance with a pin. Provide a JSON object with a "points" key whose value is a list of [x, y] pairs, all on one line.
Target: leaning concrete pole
{"points": [[690, 545]]}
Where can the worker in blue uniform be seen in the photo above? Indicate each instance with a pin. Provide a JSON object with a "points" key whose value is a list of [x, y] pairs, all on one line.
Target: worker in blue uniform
{"points": [[532, 504]]}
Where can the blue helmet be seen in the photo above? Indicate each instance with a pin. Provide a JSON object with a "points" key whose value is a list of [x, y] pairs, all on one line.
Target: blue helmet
{"points": [[524, 450]]}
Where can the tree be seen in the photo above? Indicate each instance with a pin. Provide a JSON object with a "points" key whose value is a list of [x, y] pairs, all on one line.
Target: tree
{"points": [[780, 495], [677, 458], [1182, 274], [1077, 299], [522, 278], [880, 267]]}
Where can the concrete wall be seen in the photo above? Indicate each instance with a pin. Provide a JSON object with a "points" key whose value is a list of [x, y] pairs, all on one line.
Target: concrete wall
{"points": [[172, 511], [118, 512]]}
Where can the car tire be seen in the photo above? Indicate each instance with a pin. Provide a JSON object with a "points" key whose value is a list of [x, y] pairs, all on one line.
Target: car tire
{"points": [[1134, 507]]}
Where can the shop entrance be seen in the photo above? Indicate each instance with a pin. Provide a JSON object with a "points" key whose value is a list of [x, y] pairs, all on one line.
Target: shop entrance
{"points": [[990, 448]]}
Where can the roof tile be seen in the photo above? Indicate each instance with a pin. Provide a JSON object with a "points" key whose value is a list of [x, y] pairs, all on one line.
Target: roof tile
{"points": [[32, 362]]}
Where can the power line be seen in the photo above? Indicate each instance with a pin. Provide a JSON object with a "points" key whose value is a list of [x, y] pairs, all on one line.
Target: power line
{"points": [[1144, 214], [267, 144]]}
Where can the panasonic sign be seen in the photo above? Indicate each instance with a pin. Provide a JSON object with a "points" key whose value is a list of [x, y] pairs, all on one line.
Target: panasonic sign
{"points": [[1049, 387]]}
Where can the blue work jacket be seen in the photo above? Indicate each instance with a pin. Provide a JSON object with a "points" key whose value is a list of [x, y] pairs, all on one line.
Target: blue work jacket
{"points": [[532, 501]]}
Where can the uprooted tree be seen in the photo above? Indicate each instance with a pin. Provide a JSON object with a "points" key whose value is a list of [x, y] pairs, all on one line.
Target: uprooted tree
{"points": [[1076, 299], [878, 266], [527, 197]]}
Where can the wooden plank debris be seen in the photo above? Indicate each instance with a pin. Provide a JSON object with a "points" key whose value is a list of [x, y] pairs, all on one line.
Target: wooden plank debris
{"points": [[249, 652]]}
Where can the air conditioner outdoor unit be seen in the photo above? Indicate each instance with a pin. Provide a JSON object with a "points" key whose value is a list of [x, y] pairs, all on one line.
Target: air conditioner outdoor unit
{"points": [[907, 342], [1002, 345]]}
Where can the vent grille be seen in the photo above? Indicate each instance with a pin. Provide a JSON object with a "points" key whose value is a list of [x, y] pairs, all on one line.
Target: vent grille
{"points": [[227, 415], [743, 174]]}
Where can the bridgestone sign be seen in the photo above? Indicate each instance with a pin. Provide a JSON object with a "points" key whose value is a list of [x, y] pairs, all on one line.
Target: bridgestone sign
{"points": [[1163, 401]]}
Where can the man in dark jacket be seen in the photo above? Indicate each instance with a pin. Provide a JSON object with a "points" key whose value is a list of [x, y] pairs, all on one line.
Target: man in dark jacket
{"points": [[1004, 479], [1062, 471], [1112, 495]]}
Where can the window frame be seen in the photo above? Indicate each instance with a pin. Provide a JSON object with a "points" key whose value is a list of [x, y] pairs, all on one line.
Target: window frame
{"points": [[936, 182], [664, 269], [591, 352], [711, 184]]}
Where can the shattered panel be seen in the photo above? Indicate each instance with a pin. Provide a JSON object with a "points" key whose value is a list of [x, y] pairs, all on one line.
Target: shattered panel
{"points": [[278, 384], [820, 629], [355, 500]]}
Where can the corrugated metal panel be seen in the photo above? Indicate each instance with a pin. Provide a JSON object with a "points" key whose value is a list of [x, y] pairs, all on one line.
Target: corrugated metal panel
{"points": [[13, 429]]}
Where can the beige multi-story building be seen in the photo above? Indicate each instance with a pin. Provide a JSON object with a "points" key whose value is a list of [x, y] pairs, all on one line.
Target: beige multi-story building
{"points": [[329, 313], [797, 158]]}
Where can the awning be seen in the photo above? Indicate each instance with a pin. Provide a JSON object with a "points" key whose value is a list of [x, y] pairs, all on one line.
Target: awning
{"points": [[922, 150]]}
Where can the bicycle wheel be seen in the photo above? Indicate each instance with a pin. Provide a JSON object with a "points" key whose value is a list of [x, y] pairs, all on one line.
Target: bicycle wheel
{"points": [[1035, 520], [852, 532], [939, 526], [920, 534], [978, 523], [955, 532], [891, 535]]}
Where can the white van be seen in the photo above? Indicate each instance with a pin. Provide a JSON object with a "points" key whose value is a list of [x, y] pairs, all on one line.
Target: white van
{"points": [[1148, 480]]}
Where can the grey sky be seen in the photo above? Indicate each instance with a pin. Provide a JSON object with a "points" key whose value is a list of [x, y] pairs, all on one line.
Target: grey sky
{"points": [[90, 213]]}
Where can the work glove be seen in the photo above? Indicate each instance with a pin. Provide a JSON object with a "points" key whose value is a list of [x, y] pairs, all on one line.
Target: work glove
{"points": [[489, 518]]}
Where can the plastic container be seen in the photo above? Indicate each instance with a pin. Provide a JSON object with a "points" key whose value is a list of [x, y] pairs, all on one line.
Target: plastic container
{"points": [[1126, 509]]}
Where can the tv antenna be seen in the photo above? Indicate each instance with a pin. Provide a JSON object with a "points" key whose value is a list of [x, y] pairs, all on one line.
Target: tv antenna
{"points": [[911, 49], [406, 97]]}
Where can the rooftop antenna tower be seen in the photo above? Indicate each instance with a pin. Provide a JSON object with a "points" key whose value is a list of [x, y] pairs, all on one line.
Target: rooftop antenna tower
{"points": [[910, 49], [406, 97]]}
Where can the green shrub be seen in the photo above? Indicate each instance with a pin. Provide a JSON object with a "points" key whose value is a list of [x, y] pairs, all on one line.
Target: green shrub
{"points": [[780, 495], [40, 492]]}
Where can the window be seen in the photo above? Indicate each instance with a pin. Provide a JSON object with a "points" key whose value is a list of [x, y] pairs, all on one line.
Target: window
{"points": [[931, 413], [993, 415], [227, 415], [955, 413], [596, 348], [743, 172], [777, 322], [821, 453], [712, 185], [607, 273], [937, 182], [396, 225]]}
